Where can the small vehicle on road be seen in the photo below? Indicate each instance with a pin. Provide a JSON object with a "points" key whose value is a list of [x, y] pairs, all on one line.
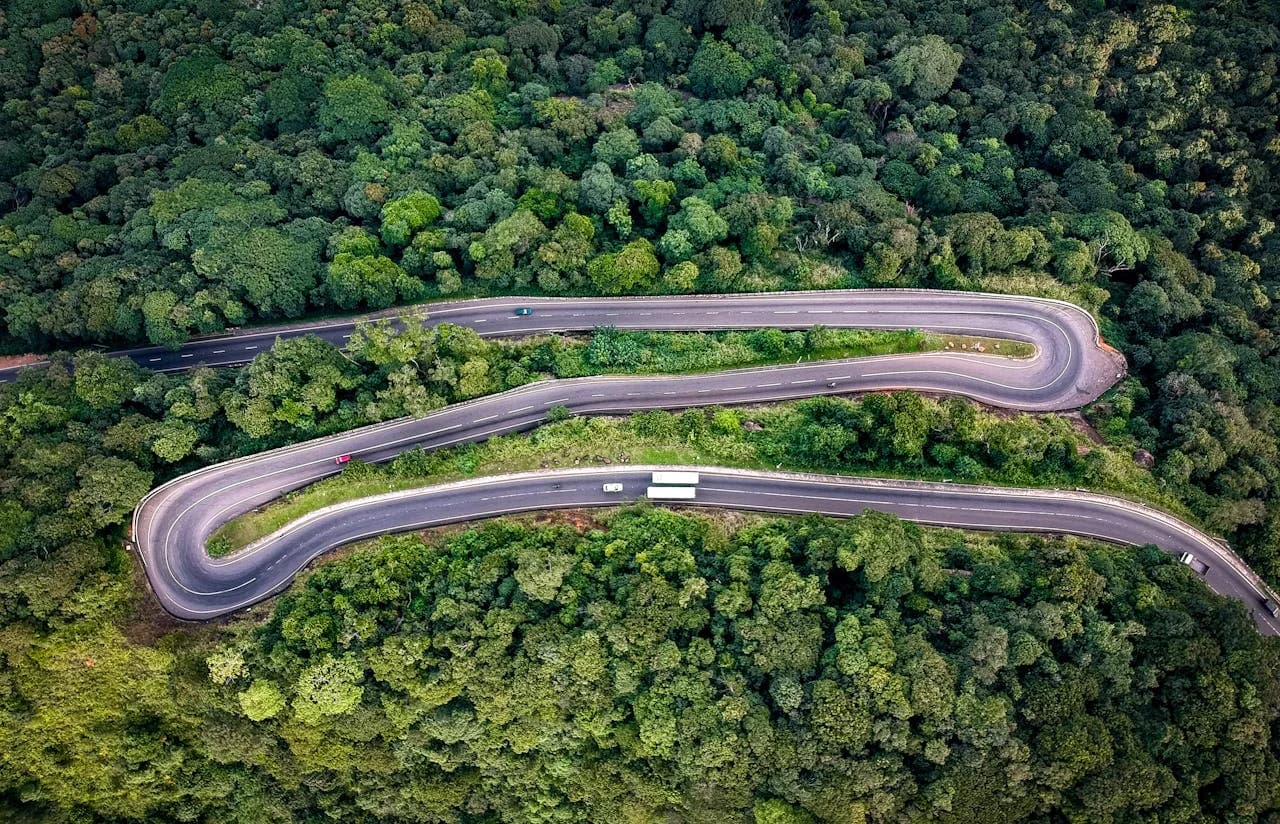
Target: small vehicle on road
{"points": [[831, 385], [613, 487], [341, 459], [1195, 563], [1271, 607], [522, 311]]}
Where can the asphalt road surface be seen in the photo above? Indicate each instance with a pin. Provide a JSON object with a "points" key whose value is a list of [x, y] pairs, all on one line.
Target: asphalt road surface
{"points": [[1070, 368], [193, 585]]}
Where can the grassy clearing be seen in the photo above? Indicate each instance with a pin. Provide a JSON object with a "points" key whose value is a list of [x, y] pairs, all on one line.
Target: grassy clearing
{"points": [[1047, 452], [576, 442], [610, 351]]}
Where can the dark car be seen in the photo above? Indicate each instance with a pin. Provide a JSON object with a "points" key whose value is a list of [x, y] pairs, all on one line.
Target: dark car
{"points": [[523, 310]]}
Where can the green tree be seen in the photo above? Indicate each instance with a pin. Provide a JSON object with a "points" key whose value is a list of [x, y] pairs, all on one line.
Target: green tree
{"points": [[631, 269], [404, 216], [717, 70], [271, 270], [261, 701], [700, 223], [927, 66], [107, 491], [354, 108], [373, 281], [330, 687]]}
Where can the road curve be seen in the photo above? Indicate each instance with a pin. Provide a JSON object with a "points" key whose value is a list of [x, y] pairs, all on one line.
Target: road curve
{"points": [[1070, 369], [195, 586]]}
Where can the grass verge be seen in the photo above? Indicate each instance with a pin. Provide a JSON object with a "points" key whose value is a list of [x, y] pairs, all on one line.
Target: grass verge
{"points": [[965, 444], [610, 351]]}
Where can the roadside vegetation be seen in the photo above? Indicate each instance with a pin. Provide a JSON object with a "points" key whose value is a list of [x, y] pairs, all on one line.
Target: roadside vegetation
{"points": [[171, 168], [84, 439], [647, 665], [901, 435]]}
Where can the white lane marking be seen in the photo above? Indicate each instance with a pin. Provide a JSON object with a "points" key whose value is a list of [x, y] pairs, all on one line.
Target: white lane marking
{"points": [[153, 360], [219, 351], [189, 355], [806, 380], [554, 402], [288, 529], [763, 385], [394, 424], [746, 304], [251, 347], [1139, 511]]}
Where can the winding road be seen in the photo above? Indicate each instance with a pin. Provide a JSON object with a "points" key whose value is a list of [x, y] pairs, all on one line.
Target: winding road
{"points": [[1070, 368], [268, 565]]}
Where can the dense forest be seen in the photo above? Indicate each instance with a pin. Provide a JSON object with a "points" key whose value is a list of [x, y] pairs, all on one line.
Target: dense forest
{"points": [[174, 168], [659, 667], [169, 169]]}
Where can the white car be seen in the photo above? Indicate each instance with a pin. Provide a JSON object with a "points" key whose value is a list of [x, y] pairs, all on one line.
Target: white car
{"points": [[613, 487]]}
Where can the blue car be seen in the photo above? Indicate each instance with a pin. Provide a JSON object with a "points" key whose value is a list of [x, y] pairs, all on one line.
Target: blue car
{"points": [[523, 310]]}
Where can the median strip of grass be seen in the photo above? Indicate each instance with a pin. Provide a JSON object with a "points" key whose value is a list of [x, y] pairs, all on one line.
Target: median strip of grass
{"points": [[608, 350], [875, 436]]}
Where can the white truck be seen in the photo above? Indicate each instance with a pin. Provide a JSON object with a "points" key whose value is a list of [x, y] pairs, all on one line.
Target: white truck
{"points": [[675, 478], [1195, 563], [672, 493]]}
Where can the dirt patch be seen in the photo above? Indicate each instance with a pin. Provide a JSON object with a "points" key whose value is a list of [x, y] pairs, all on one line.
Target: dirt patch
{"points": [[149, 622], [1081, 424], [580, 519], [10, 361]]}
